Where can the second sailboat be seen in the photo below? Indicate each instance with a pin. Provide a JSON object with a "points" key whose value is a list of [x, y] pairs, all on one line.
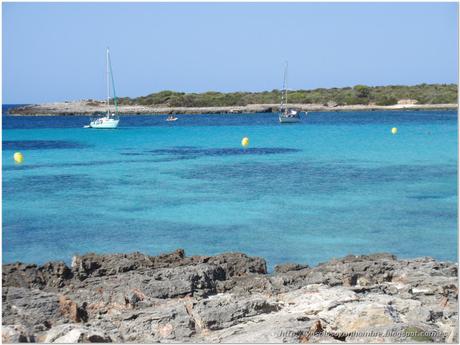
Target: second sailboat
{"points": [[287, 115]]}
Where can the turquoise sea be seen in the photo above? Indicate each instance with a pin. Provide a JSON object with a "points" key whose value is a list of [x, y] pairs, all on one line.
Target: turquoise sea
{"points": [[338, 183]]}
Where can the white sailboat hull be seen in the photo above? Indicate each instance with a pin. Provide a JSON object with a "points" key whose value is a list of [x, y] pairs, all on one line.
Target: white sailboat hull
{"points": [[291, 116], [104, 123], [287, 119]]}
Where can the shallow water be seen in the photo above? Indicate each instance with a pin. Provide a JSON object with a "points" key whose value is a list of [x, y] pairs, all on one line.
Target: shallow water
{"points": [[336, 184]]}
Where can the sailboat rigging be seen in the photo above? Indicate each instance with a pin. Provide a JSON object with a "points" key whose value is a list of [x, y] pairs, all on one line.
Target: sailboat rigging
{"points": [[287, 115], [111, 120]]}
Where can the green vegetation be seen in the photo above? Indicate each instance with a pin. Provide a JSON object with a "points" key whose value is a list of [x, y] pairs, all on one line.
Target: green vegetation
{"points": [[360, 94]]}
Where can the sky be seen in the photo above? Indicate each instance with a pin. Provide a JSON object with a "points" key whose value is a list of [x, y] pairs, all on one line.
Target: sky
{"points": [[56, 51]]}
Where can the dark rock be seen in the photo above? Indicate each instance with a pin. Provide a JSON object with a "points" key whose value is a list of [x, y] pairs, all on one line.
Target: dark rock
{"points": [[196, 280], [348, 271], [56, 274], [227, 298], [29, 307], [289, 267], [52, 274], [22, 275], [94, 265], [234, 264], [246, 285], [218, 313], [158, 324]]}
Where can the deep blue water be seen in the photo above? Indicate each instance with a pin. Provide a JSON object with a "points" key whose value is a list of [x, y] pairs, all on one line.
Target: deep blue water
{"points": [[336, 184]]}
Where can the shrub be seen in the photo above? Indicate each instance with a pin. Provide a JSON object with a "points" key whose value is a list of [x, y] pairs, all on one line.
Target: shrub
{"points": [[360, 94]]}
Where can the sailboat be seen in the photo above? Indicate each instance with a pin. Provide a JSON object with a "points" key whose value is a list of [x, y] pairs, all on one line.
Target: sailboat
{"points": [[171, 118], [287, 115], [110, 120]]}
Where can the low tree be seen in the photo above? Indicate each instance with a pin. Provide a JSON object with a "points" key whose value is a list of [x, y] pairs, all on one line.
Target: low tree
{"points": [[362, 91]]}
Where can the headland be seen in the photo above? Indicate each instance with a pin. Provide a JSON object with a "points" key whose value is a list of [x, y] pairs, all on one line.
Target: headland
{"points": [[91, 109], [357, 98]]}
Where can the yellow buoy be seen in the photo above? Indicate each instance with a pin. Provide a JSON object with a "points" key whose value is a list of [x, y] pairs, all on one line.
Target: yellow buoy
{"points": [[18, 157], [245, 142], [394, 130]]}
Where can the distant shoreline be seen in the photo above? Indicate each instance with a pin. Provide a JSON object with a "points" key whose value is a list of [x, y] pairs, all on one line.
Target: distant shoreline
{"points": [[85, 108]]}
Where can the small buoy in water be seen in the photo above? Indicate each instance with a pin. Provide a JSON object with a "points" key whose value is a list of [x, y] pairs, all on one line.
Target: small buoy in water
{"points": [[394, 130], [245, 142], [18, 157]]}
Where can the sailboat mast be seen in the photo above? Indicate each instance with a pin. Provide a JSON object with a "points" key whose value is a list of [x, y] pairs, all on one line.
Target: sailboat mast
{"points": [[108, 84], [285, 84], [115, 102], [283, 105]]}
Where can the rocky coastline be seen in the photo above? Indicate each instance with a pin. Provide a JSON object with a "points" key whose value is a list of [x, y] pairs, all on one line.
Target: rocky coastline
{"points": [[91, 108], [229, 298]]}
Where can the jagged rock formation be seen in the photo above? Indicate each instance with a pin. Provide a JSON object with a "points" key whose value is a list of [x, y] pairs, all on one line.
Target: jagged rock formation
{"points": [[229, 298]]}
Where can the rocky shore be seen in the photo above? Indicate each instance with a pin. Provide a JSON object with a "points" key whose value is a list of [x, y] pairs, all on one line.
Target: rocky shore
{"points": [[229, 298], [91, 107]]}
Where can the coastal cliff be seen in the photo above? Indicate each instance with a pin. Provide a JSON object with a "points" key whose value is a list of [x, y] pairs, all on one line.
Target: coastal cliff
{"points": [[91, 108], [229, 298]]}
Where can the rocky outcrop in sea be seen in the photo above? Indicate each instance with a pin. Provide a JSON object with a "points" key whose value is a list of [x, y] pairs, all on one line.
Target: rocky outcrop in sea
{"points": [[229, 298]]}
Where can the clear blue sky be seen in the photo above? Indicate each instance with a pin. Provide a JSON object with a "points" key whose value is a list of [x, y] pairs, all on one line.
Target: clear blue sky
{"points": [[56, 51]]}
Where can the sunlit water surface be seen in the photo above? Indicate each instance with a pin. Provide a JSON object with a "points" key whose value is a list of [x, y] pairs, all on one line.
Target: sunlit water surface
{"points": [[336, 184]]}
